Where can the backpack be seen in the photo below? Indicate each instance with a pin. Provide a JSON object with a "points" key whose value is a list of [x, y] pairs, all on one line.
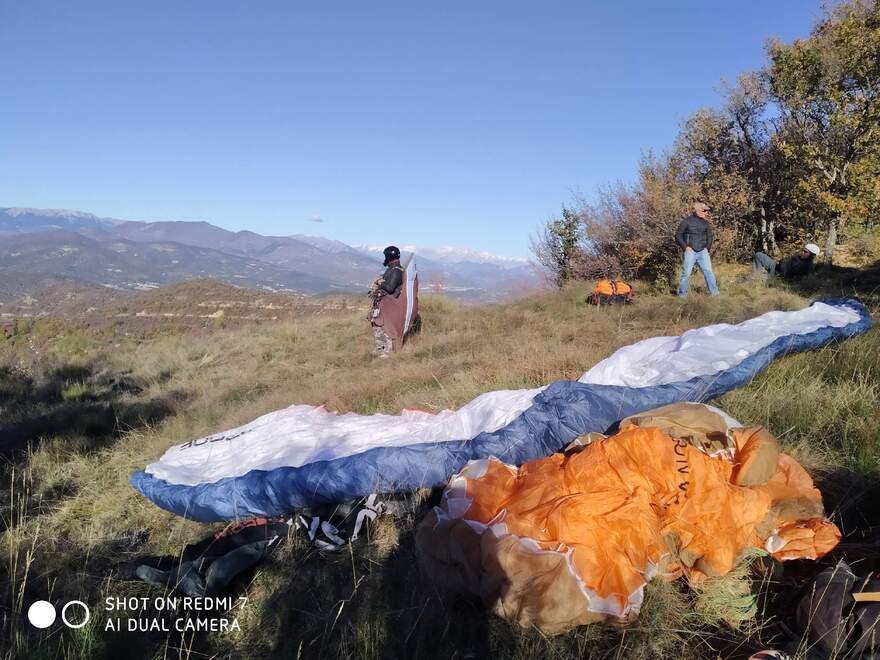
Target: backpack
{"points": [[837, 617], [609, 292]]}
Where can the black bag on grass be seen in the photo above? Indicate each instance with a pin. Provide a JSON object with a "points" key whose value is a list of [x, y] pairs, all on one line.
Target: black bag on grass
{"points": [[833, 620], [208, 567]]}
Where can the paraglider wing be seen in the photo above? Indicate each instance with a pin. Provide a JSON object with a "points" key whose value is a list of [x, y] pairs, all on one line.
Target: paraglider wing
{"points": [[396, 313], [305, 455]]}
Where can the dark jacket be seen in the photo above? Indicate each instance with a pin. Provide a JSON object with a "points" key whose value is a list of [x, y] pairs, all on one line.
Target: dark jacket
{"points": [[794, 266], [695, 233], [392, 280]]}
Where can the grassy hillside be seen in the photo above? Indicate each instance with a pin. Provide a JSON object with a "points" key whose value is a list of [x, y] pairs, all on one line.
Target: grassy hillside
{"points": [[83, 410]]}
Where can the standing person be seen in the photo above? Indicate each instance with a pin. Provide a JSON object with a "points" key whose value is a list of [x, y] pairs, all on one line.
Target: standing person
{"points": [[695, 236], [388, 284], [791, 267]]}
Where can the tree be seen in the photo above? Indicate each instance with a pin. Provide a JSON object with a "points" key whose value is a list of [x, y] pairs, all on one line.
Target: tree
{"points": [[629, 231], [559, 245], [713, 156], [794, 150], [827, 89], [735, 156]]}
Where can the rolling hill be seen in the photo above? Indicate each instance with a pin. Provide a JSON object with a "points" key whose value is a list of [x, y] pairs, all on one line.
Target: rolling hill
{"points": [[115, 253]]}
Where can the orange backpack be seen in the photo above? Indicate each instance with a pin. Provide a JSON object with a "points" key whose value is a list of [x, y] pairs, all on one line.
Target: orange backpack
{"points": [[611, 291]]}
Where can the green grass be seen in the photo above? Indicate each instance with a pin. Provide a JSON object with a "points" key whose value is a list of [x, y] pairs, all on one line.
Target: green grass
{"points": [[69, 514]]}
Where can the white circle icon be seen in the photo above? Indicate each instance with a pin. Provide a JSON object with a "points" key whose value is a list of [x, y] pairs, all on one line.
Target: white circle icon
{"points": [[41, 614], [81, 623]]}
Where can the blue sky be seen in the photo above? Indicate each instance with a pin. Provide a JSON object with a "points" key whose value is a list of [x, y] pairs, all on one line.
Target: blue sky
{"points": [[434, 123]]}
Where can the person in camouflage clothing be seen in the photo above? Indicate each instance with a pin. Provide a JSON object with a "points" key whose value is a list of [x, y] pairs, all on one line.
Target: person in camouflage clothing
{"points": [[388, 284]]}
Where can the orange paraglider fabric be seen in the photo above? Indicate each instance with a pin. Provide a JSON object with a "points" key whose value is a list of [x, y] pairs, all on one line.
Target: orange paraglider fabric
{"points": [[571, 539]]}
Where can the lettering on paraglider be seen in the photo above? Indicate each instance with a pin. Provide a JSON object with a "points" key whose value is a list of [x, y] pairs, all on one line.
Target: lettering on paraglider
{"points": [[682, 462], [682, 467], [213, 438]]}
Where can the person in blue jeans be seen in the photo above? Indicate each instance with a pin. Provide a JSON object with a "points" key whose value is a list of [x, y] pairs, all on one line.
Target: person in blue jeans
{"points": [[695, 236]]}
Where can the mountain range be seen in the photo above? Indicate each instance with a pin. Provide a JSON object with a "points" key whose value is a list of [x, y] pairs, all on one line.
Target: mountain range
{"points": [[42, 245]]}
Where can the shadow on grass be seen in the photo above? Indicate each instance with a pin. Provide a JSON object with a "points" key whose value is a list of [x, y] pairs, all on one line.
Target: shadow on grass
{"points": [[840, 282], [367, 603], [396, 612], [852, 501], [74, 401], [366, 600]]}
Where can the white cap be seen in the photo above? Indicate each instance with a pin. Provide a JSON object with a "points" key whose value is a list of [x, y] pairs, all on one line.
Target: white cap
{"points": [[812, 247]]}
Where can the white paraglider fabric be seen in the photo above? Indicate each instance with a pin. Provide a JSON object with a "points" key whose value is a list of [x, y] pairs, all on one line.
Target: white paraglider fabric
{"points": [[304, 455]]}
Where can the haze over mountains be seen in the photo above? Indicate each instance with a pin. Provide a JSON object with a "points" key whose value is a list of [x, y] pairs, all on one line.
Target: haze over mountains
{"points": [[40, 247]]}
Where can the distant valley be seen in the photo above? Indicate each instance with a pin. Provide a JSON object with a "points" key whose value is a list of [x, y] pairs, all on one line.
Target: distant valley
{"points": [[57, 252]]}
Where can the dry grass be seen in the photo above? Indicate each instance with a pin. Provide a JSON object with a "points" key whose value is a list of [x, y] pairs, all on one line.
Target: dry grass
{"points": [[70, 515]]}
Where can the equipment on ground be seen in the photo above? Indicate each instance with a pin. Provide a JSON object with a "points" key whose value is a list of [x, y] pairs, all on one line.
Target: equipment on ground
{"points": [[573, 538], [839, 613], [306, 455], [611, 292]]}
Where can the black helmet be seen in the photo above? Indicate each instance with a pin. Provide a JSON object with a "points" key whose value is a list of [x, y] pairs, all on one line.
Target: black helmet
{"points": [[391, 253]]}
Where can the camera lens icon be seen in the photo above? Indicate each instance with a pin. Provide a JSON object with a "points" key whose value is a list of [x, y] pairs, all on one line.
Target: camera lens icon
{"points": [[42, 614]]}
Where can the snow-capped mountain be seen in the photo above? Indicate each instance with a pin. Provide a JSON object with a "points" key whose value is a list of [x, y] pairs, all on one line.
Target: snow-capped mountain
{"points": [[21, 220], [124, 254], [448, 254], [467, 273]]}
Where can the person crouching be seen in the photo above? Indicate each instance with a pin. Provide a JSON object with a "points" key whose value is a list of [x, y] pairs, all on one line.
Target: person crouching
{"points": [[791, 267]]}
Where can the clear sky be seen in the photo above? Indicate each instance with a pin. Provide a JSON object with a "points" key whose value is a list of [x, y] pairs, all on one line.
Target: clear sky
{"points": [[463, 122]]}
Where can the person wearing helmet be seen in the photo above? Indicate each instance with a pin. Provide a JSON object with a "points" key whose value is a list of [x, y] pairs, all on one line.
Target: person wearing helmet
{"points": [[789, 268], [388, 284]]}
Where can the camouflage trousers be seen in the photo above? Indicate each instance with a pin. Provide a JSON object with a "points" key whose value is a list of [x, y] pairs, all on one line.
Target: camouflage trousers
{"points": [[384, 345]]}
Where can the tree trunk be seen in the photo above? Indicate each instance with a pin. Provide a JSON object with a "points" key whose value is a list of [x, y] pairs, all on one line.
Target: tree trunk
{"points": [[765, 248], [831, 241], [771, 236]]}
